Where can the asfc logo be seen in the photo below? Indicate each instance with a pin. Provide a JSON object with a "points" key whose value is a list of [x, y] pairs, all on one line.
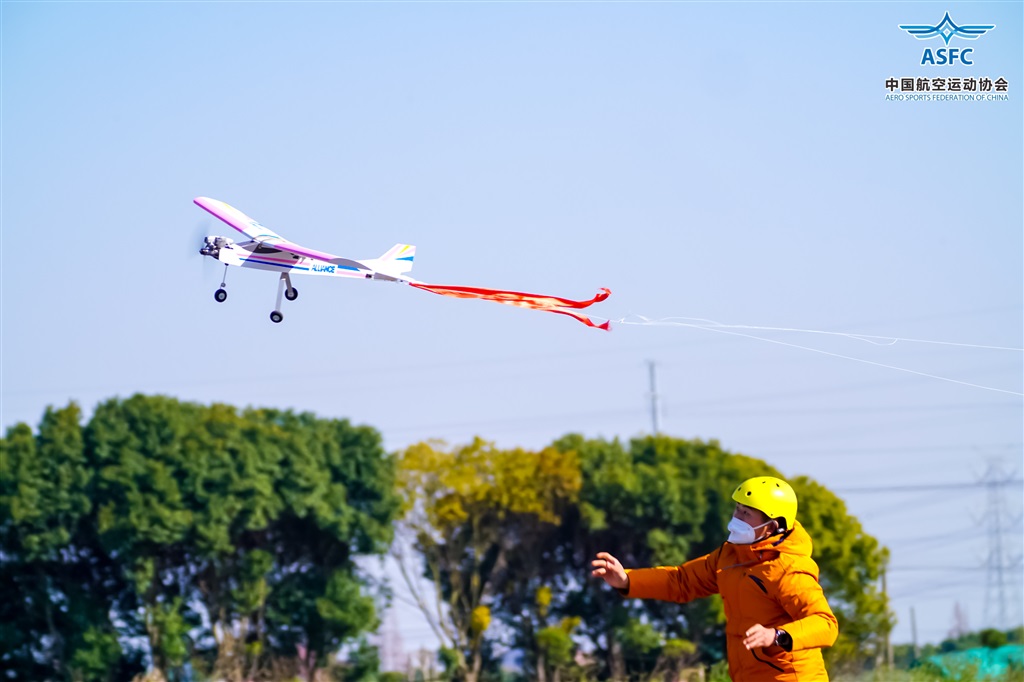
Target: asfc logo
{"points": [[947, 30]]}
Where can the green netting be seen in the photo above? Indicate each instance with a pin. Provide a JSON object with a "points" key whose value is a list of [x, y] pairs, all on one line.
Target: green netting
{"points": [[982, 662]]}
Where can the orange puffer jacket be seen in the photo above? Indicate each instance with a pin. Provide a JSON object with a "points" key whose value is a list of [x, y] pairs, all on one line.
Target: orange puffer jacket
{"points": [[773, 583]]}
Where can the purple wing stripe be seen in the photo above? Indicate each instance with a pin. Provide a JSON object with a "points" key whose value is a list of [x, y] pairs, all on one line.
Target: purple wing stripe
{"points": [[247, 226]]}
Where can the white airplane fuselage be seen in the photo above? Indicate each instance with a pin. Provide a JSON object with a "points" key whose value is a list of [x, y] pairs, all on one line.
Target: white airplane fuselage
{"points": [[252, 254]]}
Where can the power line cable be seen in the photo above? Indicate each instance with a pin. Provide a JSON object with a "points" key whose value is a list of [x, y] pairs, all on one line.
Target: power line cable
{"points": [[929, 487], [889, 450]]}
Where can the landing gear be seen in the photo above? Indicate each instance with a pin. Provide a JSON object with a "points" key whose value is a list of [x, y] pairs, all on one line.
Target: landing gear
{"points": [[284, 286], [221, 294]]}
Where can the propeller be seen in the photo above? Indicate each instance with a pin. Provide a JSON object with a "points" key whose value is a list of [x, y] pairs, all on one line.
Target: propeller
{"points": [[199, 233], [208, 268]]}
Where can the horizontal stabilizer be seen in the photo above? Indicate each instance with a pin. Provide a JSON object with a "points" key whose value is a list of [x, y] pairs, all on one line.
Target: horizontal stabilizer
{"points": [[395, 261]]}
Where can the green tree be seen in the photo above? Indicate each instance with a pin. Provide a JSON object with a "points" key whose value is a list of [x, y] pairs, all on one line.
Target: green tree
{"points": [[663, 501], [170, 516], [851, 564], [471, 512], [340, 500], [556, 647], [142, 516], [992, 638], [364, 664], [59, 588], [654, 501]]}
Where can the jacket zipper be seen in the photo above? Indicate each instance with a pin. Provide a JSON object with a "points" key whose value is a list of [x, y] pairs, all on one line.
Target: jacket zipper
{"points": [[768, 663], [759, 583]]}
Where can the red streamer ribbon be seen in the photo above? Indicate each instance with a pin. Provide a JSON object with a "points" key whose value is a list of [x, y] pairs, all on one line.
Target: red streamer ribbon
{"points": [[551, 304]]}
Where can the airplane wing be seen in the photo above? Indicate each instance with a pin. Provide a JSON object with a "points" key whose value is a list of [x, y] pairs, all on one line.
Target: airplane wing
{"points": [[264, 235]]}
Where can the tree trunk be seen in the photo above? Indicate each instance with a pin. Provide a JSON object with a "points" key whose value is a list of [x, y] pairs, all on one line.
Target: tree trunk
{"points": [[473, 674], [616, 664]]}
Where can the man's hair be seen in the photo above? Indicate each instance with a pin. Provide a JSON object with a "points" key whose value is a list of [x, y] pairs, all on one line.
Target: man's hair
{"points": [[764, 517]]}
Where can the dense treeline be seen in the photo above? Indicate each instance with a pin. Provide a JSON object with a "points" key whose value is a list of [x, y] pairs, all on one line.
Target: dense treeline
{"points": [[203, 542], [164, 533], [508, 536]]}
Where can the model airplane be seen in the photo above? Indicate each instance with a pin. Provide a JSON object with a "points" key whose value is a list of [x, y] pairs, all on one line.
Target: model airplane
{"points": [[264, 249]]}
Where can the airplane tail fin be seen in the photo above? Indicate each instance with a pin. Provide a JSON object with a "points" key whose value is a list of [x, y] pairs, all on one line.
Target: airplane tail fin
{"points": [[395, 261]]}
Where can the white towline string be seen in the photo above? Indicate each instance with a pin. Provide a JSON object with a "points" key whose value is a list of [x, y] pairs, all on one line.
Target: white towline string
{"points": [[726, 329], [869, 338]]}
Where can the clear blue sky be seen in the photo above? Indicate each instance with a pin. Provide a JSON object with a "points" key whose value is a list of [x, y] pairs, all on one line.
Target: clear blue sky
{"points": [[729, 161]]}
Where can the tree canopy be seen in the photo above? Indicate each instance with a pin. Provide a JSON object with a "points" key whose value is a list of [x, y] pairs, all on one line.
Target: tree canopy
{"points": [[219, 536], [202, 541], [651, 501]]}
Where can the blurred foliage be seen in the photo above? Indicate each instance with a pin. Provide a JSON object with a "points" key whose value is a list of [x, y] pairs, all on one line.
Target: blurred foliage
{"points": [[851, 564], [987, 655], [993, 639], [904, 655], [651, 501], [929, 672], [663, 501], [477, 517], [223, 538]]}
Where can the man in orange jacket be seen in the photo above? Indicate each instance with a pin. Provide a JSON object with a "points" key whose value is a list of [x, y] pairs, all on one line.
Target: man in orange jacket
{"points": [[777, 618]]}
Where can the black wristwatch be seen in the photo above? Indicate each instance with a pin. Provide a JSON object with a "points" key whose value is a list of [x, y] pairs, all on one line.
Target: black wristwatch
{"points": [[783, 639]]}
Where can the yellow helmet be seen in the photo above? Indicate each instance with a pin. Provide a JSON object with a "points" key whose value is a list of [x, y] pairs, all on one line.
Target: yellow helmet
{"points": [[769, 495]]}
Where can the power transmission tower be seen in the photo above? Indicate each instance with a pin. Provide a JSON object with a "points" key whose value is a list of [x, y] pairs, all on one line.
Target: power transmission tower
{"points": [[392, 649], [913, 633], [960, 627], [998, 521], [655, 412]]}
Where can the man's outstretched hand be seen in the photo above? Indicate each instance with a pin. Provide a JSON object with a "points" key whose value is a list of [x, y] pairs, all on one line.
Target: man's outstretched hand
{"points": [[608, 567], [758, 636]]}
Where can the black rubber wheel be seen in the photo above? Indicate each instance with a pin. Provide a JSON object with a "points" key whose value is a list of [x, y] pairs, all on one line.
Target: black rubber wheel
{"points": [[291, 294], [220, 295], [276, 317]]}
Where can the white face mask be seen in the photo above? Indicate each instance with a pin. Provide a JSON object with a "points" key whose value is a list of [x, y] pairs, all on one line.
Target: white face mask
{"points": [[742, 533]]}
